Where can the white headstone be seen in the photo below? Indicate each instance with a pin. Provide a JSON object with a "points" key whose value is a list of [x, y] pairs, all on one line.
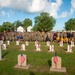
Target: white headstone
{"points": [[22, 60], [27, 43], [48, 43], [1, 42], [56, 62], [57, 65], [38, 47], [17, 42], [23, 47], [69, 48], [51, 48], [72, 43], [36, 42], [8, 42], [4, 46], [61, 43]]}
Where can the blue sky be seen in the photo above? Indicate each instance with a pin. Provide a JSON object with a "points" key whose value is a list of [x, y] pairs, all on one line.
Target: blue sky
{"points": [[13, 10]]}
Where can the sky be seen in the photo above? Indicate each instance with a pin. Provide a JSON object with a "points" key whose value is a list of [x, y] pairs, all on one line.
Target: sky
{"points": [[61, 10]]}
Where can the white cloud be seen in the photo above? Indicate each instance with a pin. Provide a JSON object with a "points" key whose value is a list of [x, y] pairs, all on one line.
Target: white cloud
{"points": [[10, 13], [72, 6], [73, 3], [54, 7], [64, 14], [33, 5], [72, 9], [37, 5], [4, 13]]}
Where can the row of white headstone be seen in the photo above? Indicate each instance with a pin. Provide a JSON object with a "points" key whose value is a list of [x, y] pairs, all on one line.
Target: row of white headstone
{"points": [[61, 43], [1, 42], [36, 42], [51, 47], [3, 46], [27, 43], [18, 42], [38, 46], [69, 47]]}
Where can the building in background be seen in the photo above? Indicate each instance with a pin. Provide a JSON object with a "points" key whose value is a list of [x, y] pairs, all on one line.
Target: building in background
{"points": [[20, 29], [29, 29]]}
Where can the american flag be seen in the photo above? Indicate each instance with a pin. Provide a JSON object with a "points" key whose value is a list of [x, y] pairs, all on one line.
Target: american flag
{"points": [[38, 45], [70, 48], [3, 47], [52, 47], [22, 58], [55, 59]]}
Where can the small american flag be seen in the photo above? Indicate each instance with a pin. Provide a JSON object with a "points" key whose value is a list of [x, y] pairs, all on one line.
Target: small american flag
{"points": [[37, 42], [55, 59], [52, 47], [38, 45], [22, 59], [3, 47], [70, 48]]}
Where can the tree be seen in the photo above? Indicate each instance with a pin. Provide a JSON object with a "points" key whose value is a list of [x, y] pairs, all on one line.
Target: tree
{"points": [[70, 24], [44, 22], [18, 23], [7, 26], [27, 22], [1, 28]]}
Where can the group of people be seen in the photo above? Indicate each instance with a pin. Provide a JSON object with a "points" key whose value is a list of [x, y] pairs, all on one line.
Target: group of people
{"points": [[40, 36]]}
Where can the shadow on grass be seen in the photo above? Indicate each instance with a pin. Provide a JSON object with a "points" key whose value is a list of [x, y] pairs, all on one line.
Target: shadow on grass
{"points": [[49, 62], [48, 49], [31, 73], [4, 54], [65, 49]]}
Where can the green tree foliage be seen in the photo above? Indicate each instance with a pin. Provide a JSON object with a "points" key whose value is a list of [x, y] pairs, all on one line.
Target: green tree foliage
{"points": [[70, 24], [44, 22], [0, 28], [18, 23], [7, 26], [27, 22]]}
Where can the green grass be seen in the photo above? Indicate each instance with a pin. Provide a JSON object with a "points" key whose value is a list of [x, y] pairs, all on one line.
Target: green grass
{"points": [[40, 62]]}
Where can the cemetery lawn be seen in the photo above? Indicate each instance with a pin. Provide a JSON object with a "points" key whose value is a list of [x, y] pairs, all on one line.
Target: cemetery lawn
{"points": [[40, 62]]}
